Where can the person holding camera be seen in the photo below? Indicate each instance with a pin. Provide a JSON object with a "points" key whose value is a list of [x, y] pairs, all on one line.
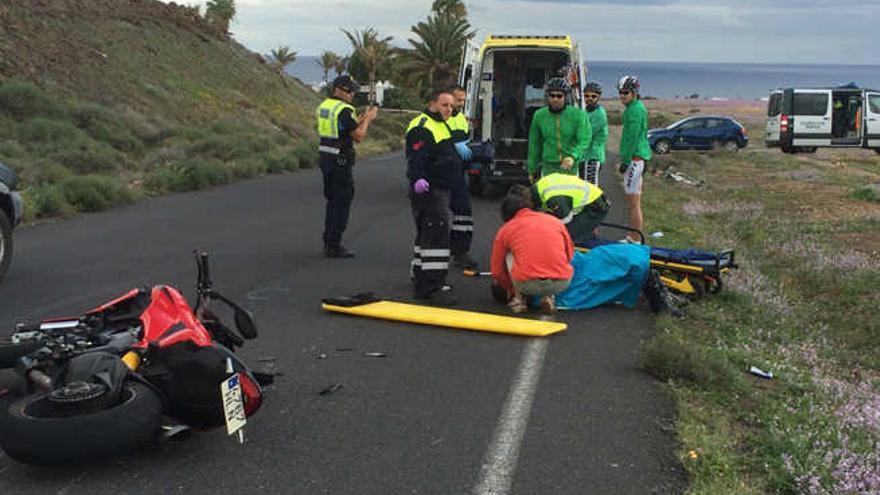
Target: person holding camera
{"points": [[339, 128]]}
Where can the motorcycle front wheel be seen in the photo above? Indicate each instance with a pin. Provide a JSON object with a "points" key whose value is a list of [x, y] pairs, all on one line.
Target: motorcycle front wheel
{"points": [[33, 430]]}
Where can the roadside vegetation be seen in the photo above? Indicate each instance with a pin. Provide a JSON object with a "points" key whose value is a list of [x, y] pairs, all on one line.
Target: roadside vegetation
{"points": [[802, 305]]}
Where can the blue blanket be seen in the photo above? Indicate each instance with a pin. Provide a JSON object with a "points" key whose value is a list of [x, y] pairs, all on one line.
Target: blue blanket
{"points": [[605, 274]]}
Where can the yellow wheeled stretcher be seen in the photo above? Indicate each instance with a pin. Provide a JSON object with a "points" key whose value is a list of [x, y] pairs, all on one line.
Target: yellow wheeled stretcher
{"points": [[372, 307]]}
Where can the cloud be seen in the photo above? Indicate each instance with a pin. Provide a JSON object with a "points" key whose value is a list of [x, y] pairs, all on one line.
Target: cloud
{"points": [[799, 31]]}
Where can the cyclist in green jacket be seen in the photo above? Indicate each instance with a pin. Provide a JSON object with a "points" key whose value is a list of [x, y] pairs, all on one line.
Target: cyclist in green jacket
{"points": [[599, 125], [634, 148], [559, 134]]}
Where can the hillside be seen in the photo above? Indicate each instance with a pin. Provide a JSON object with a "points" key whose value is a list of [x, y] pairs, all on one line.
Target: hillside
{"points": [[102, 101]]}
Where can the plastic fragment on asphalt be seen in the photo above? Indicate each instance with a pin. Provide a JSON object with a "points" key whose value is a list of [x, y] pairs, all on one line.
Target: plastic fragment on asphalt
{"points": [[376, 354], [761, 373], [657, 234], [321, 356], [331, 389]]}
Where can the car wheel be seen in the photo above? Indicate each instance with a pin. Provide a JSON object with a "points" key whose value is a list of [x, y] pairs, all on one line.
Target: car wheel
{"points": [[663, 146], [730, 147], [5, 244]]}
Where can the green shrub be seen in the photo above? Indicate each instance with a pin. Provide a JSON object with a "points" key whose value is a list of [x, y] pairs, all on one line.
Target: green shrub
{"points": [[105, 125], [44, 172], [42, 130], [670, 357], [91, 159], [307, 153], [248, 168], [866, 193], [94, 192], [187, 176], [282, 161], [231, 147], [22, 101], [46, 201], [11, 149]]}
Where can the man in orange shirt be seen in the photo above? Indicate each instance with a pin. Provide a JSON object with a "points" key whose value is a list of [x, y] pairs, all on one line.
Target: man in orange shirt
{"points": [[532, 253]]}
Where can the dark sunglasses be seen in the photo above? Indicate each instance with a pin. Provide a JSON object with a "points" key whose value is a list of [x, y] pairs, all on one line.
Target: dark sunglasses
{"points": [[555, 95], [625, 92], [592, 97]]}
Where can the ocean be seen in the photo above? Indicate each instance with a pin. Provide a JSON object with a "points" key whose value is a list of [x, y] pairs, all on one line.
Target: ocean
{"points": [[685, 79]]}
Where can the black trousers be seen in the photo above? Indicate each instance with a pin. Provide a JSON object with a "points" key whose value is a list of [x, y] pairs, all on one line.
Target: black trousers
{"points": [[431, 250], [339, 193], [462, 226]]}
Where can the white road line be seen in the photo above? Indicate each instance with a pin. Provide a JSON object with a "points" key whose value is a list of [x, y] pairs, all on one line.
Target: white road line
{"points": [[499, 463]]}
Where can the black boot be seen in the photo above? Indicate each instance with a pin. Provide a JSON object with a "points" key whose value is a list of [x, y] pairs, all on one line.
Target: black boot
{"points": [[658, 296], [337, 251]]}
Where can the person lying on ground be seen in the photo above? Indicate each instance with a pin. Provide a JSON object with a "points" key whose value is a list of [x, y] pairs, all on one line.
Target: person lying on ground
{"points": [[531, 254]]}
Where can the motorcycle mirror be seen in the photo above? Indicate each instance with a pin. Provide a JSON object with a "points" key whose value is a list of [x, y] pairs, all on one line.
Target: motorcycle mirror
{"points": [[244, 322]]}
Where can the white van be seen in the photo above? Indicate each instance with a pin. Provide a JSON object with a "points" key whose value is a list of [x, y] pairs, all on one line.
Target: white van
{"points": [[505, 79], [803, 119]]}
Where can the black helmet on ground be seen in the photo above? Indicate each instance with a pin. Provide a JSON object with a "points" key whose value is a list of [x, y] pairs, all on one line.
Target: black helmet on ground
{"points": [[345, 82]]}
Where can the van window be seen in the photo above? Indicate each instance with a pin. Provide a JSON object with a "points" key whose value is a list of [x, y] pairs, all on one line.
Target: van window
{"points": [[874, 103], [810, 103], [774, 106]]}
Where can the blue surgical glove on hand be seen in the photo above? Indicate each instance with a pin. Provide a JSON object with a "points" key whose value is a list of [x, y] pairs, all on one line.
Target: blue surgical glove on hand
{"points": [[421, 186], [464, 151]]}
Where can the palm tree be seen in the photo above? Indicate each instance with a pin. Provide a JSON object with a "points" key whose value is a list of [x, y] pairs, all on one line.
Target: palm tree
{"points": [[328, 61], [371, 50], [436, 53], [281, 58], [220, 13], [451, 8]]}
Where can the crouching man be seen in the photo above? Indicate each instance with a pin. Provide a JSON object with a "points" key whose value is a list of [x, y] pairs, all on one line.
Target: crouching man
{"points": [[531, 255]]}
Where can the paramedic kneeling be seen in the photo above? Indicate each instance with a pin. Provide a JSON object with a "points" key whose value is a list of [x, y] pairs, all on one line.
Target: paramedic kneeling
{"points": [[580, 205], [532, 253]]}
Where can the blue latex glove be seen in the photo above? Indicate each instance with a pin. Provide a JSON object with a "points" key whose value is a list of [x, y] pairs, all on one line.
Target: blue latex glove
{"points": [[464, 151], [421, 186]]}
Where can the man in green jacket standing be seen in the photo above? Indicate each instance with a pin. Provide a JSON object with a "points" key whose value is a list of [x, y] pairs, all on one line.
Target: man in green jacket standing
{"points": [[634, 148], [599, 125], [559, 134]]}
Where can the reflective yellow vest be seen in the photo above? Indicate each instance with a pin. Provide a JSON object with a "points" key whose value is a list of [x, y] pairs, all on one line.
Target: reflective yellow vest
{"points": [[328, 117], [581, 192], [459, 123], [439, 130]]}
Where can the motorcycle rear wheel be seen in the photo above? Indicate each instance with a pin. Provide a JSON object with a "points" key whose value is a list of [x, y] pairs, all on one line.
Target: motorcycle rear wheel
{"points": [[34, 431]]}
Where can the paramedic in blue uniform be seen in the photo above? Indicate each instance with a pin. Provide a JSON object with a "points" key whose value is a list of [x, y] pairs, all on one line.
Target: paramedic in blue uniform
{"points": [[339, 128], [432, 166], [462, 229]]}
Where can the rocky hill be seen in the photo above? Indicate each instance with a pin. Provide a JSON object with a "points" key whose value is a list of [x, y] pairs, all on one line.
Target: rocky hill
{"points": [[103, 101]]}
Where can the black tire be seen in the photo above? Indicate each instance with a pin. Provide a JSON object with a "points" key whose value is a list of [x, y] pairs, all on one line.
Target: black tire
{"points": [[663, 146], [44, 440], [5, 243]]}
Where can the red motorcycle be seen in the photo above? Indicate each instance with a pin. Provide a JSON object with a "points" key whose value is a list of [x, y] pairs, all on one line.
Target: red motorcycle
{"points": [[106, 382]]}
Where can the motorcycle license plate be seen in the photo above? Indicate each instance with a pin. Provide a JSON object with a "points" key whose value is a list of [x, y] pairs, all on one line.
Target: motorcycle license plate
{"points": [[233, 405]]}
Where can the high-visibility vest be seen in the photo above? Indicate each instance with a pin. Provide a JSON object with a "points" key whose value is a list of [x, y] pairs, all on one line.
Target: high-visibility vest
{"points": [[439, 130], [459, 122], [581, 192], [328, 117]]}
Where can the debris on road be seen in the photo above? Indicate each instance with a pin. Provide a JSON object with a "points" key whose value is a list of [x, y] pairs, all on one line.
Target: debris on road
{"points": [[321, 356], [761, 373], [682, 178], [657, 234], [331, 389], [376, 354]]}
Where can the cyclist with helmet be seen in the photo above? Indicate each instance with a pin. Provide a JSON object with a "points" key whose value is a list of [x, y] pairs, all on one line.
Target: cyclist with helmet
{"points": [[559, 134], [634, 148], [599, 125]]}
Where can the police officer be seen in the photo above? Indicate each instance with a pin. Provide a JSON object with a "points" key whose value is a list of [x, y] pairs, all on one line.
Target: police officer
{"points": [[339, 128], [462, 230], [433, 167], [580, 205]]}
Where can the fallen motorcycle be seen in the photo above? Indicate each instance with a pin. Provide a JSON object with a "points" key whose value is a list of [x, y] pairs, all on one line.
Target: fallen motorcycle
{"points": [[108, 381]]}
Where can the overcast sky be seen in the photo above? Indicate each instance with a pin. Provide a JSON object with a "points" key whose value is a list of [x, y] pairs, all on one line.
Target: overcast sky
{"points": [[792, 31]]}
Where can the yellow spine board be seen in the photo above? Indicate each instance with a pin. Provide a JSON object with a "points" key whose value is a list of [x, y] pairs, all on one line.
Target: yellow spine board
{"points": [[454, 318]]}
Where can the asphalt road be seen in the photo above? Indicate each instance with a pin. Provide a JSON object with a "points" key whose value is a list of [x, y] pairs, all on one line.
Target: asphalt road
{"points": [[446, 412]]}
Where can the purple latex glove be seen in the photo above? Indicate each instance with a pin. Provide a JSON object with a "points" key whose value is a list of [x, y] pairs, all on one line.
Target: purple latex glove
{"points": [[421, 186]]}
